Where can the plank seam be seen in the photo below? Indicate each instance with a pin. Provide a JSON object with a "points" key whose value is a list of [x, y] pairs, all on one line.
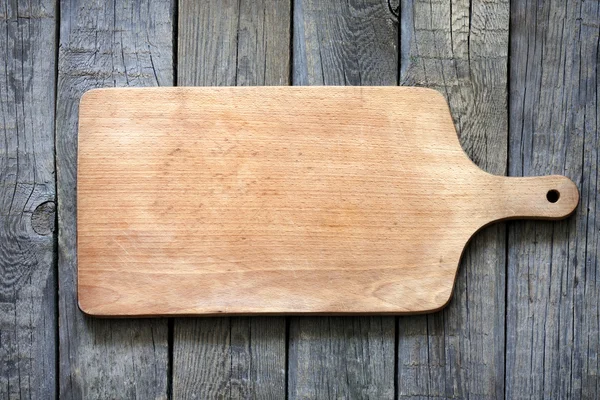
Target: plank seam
{"points": [[57, 22], [175, 43], [507, 172], [291, 55]]}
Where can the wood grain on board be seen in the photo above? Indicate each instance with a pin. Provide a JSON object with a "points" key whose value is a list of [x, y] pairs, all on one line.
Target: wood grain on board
{"points": [[460, 48], [128, 43], [553, 320], [27, 200], [232, 43]]}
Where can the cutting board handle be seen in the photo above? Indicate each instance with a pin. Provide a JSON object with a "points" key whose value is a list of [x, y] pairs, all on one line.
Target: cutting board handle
{"points": [[543, 197]]}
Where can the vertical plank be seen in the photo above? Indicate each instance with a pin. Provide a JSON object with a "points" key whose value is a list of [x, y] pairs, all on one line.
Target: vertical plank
{"points": [[119, 43], [27, 200], [343, 43], [553, 337], [231, 43], [460, 47]]}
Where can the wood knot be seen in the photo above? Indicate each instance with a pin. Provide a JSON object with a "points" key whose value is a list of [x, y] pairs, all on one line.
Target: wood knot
{"points": [[43, 218], [395, 11]]}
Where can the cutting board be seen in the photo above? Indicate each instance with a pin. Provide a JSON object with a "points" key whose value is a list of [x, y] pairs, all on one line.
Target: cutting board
{"points": [[282, 200]]}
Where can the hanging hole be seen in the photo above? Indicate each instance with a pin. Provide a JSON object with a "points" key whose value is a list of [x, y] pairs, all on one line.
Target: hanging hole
{"points": [[553, 196]]}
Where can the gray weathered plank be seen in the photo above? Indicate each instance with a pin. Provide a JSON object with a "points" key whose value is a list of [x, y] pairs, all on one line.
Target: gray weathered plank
{"points": [[460, 48], [120, 43], [343, 43], [27, 200], [553, 337], [229, 358], [231, 43], [341, 358]]}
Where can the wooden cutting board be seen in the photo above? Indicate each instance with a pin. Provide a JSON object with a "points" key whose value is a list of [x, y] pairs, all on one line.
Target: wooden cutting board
{"points": [[282, 200]]}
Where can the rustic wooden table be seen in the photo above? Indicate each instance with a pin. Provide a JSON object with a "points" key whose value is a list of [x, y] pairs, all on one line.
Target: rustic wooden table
{"points": [[522, 81]]}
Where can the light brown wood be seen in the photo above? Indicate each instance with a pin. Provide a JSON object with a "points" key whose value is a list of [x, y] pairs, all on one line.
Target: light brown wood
{"points": [[277, 200]]}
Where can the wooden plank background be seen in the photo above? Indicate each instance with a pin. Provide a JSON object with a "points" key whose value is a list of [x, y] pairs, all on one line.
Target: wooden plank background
{"points": [[123, 44], [522, 81]]}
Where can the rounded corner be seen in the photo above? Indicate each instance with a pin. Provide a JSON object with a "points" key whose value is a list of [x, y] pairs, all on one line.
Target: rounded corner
{"points": [[445, 301], [434, 94], [84, 308], [89, 95], [575, 196]]}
